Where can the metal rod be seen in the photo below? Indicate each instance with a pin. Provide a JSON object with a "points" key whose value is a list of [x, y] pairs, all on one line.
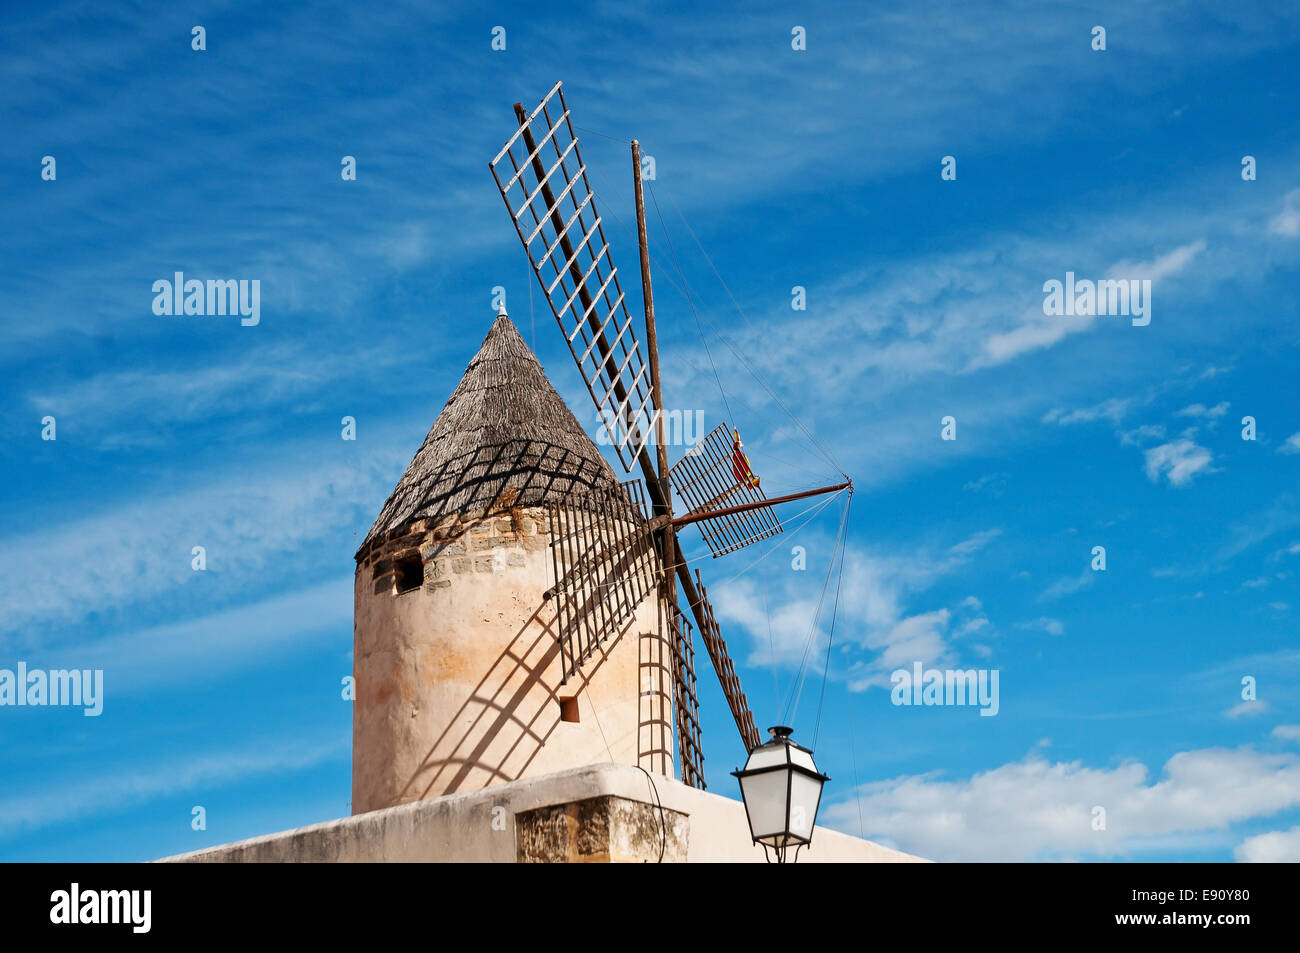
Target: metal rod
{"points": [[745, 507]]}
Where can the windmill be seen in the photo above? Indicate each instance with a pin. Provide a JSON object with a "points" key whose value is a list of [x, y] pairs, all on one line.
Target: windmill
{"points": [[610, 554]]}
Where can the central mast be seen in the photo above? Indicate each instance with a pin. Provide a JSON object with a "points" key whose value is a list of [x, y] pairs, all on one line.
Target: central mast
{"points": [[664, 505]]}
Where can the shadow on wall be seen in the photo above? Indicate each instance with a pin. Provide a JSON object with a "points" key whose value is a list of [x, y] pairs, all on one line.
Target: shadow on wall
{"points": [[506, 702]]}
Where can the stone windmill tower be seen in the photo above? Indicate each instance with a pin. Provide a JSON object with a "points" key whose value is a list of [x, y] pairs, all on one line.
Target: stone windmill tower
{"points": [[460, 682], [517, 608], [522, 615]]}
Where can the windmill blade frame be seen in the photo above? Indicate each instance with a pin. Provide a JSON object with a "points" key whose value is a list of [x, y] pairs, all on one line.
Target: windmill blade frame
{"points": [[582, 288], [705, 479], [579, 279], [605, 565], [716, 646]]}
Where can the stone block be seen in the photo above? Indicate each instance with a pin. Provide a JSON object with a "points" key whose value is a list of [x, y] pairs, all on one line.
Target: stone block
{"points": [[603, 829]]}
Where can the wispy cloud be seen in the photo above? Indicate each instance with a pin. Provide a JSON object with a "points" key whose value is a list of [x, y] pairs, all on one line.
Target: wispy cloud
{"points": [[1042, 331], [142, 549], [1275, 847], [1068, 585], [1200, 410], [1112, 409], [1044, 624], [1036, 809], [1287, 222], [110, 793], [885, 630], [1247, 709], [1178, 461]]}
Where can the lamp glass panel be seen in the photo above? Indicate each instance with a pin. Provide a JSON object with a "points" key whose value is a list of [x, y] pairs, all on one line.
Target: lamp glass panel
{"points": [[765, 757], [805, 792], [765, 801], [802, 758]]}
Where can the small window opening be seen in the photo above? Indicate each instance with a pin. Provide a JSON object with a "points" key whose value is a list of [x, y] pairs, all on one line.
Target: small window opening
{"points": [[409, 572], [569, 710]]}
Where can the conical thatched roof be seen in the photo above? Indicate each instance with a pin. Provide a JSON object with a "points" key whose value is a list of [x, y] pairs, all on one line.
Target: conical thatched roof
{"points": [[504, 438]]}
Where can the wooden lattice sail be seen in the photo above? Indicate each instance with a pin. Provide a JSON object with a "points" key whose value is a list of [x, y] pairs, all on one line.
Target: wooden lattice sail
{"points": [[710, 478], [609, 554]]}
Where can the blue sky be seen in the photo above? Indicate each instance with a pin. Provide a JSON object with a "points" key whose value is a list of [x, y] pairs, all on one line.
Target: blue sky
{"points": [[817, 168]]}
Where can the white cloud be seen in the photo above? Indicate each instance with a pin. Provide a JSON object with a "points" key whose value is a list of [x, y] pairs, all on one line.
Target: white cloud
{"points": [[133, 406], [1247, 709], [1200, 410], [1036, 809], [1040, 331], [1287, 732], [194, 649], [1287, 221], [992, 483], [1277, 847], [1043, 624], [1292, 444], [1068, 586], [884, 632], [1112, 409], [1140, 435], [141, 550], [1179, 461], [1160, 267], [973, 625], [95, 796]]}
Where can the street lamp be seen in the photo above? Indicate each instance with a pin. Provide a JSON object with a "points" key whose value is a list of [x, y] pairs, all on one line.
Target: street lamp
{"points": [[782, 788]]}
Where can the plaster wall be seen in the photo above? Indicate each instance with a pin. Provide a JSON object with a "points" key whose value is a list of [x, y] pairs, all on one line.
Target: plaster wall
{"points": [[480, 826], [458, 682]]}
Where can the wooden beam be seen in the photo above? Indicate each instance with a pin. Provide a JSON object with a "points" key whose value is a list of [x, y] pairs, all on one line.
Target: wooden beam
{"points": [[697, 516]]}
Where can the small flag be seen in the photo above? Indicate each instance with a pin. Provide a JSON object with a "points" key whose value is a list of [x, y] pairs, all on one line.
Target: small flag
{"points": [[740, 464]]}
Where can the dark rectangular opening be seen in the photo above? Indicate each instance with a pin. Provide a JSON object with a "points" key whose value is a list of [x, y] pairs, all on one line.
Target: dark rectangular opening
{"points": [[569, 709], [409, 572]]}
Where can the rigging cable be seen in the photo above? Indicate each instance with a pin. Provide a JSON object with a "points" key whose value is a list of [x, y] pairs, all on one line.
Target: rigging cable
{"points": [[792, 707], [686, 293], [731, 418], [830, 639], [817, 443]]}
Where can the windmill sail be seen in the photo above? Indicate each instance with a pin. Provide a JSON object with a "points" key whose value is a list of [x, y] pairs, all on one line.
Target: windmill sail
{"points": [[608, 556], [717, 649], [543, 181], [715, 475], [605, 565]]}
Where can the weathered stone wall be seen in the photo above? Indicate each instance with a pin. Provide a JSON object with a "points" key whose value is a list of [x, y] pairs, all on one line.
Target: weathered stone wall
{"points": [[601, 830], [501, 824], [458, 681]]}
